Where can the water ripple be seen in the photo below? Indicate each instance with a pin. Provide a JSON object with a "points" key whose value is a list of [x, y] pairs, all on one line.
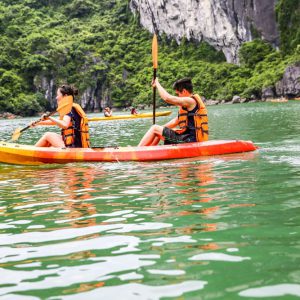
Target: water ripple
{"points": [[278, 290], [66, 276], [218, 257], [62, 234], [141, 291]]}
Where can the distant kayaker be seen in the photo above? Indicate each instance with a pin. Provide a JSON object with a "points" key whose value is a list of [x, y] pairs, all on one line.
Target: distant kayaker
{"points": [[107, 112], [133, 111], [192, 117], [75, 131]]}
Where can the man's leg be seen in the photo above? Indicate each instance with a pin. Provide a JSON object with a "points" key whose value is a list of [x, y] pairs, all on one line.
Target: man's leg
{"points": [[152, 136]]}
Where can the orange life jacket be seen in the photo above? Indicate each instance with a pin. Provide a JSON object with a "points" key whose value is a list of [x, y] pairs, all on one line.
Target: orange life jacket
{"points": [[69, 133], [200, 120]]}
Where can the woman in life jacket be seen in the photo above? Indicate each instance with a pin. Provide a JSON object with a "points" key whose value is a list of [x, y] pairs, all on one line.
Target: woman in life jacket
{"points": [[74, 125], [192, 117]]}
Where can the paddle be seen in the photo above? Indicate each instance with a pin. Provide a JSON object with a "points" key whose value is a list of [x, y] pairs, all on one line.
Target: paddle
{"points": [[64, 107], [155, 64]]}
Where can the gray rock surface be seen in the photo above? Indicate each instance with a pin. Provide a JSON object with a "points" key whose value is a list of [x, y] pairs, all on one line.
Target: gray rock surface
{"points": [[225, 24], [289, 85], [268, 93]]}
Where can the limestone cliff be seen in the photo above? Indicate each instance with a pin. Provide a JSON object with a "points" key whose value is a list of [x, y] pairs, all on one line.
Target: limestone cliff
{"points": [[225, 24], [289, 85]]}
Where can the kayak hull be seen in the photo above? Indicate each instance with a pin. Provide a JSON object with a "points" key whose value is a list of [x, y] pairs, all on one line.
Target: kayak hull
{"points": [[125, 117], [30, 155]]}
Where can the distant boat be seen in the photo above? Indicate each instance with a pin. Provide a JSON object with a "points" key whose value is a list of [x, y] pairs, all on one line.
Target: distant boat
{"points": [[279, 100], [125, 117]]}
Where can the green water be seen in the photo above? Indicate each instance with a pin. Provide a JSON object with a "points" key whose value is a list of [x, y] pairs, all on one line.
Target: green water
{"points": [[223, 227]]}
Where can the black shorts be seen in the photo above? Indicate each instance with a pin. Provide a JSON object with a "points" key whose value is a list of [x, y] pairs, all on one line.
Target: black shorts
{"points": [[172, 137]]}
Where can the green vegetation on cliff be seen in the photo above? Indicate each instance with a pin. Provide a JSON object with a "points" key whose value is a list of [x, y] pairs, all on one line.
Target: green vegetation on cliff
{"points": [[288, 18], [100, 46]]}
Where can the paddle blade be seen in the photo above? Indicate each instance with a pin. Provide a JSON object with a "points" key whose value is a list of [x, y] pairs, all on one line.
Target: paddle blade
{"points": [[154, 52], [16, 134], [65, 106]]}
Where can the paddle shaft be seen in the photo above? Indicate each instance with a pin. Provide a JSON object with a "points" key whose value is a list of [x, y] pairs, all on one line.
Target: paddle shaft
{"points": [[39, 120], [154, 96], [155, 65]]}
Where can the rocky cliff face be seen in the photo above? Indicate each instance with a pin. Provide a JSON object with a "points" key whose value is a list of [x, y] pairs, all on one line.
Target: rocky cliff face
{"points": [[225, 24], [289, 85], [88, 98]]}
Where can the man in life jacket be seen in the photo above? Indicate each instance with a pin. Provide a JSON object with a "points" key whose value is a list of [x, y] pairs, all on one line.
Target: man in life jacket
{"points": [[192, 117]]}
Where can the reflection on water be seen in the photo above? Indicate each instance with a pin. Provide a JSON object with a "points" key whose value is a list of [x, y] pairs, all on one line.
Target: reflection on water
{"points": [[223, 227]]}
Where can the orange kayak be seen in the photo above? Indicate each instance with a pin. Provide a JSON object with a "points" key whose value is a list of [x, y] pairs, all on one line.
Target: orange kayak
{"points": [[30, 155]]}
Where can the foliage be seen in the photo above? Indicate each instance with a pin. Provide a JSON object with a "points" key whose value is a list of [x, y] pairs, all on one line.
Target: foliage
{"points": [[288, 17], [253, 52], [25, 105]]}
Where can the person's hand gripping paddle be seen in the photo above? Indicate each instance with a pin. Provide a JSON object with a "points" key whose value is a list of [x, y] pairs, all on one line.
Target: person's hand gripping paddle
{"points": [[63, 108]]}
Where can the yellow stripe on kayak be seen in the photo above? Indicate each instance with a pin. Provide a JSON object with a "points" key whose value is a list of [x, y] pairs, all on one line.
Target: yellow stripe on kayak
{"points": [[125, 117]]}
